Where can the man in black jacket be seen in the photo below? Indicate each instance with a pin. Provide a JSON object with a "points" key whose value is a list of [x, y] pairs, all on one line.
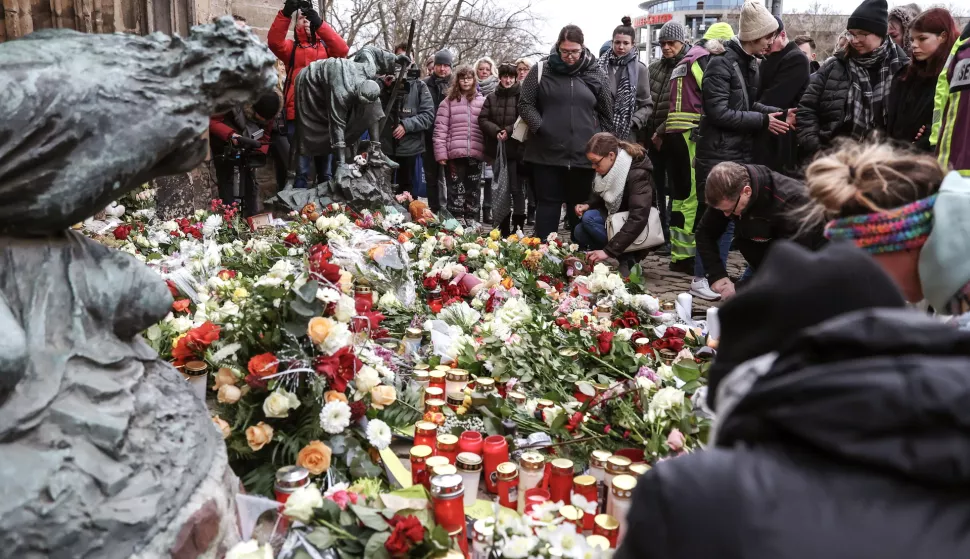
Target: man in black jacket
{"points": [[784, 76], [732, 113], [840, 430], [412, 116], [763, 205], [806, 44], [438, 83]]}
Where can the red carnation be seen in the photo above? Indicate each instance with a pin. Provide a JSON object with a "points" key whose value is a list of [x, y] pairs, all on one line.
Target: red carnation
{"points": [[604, 342], [291, 240], [357, 411], [121, 232]]}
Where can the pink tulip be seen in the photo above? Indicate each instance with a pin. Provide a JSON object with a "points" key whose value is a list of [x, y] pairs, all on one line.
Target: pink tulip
{"points": [[676, 440]]}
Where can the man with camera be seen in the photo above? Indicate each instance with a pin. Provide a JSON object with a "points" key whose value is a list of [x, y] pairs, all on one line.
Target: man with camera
{"points": [[410, 117], [313, 40], [239, 140]]}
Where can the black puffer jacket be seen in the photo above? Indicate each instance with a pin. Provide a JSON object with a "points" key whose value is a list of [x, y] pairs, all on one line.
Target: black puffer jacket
{"points": [[821, 112], [637, 199], [851, 444], [771, 214], [499, 112], [732, 113], [660, 71], [563, 112]]}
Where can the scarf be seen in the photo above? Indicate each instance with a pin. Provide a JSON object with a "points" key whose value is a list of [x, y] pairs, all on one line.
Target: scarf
{"points": [[610, 186], [625, 102], [488, 85], [903, 228], [863, 94], [556, 63]]}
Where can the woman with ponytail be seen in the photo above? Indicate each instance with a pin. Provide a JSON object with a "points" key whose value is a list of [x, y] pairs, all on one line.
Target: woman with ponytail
{"points": [[623, 183], [901, 208], [629, 83]]}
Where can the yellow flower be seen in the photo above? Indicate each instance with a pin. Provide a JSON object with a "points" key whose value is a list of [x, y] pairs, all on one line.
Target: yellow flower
{"points": [[240, 293], [346, 282], [494, 234], [319, 329], [507, 283], [492, 245], [315, 457], [177, 339], [513, 238], [460, 410], [259, 435], [382, 396]]}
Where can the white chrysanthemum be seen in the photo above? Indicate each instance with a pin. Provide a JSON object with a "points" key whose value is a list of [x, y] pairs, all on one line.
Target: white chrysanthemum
{"points": [[211, 225], [378, 434], [181, 324], [170, 226], [389, 301], [335, 417], [328, 295], [226, 353], [566, 540], [461, 315]]}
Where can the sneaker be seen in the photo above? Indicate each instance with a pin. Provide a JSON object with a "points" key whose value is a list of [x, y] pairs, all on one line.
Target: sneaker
{"points": [[685, 266], [700, 288]]}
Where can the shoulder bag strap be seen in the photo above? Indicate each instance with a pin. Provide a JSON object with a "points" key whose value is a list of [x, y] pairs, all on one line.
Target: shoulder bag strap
{"points": [[744, 87]]}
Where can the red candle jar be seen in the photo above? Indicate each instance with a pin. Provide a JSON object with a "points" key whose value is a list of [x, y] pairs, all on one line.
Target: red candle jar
{"points": [[496, 451], [586, 486], [508, 485], [363, 299], [288, 480], [433, 405], [419, 466], [437, 380], [448, 447], [456, 400], [471, 441], [643, 346], [608, 527], [561, 480], [534, 497], [425, 433], [449, 510], [434, 301]]}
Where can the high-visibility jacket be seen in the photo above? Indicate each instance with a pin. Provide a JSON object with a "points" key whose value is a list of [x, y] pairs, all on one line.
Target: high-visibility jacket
{"points": [[686, 102], [951, 112]]}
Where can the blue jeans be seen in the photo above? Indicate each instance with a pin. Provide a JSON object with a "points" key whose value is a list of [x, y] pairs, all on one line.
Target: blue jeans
{"points": [[590, 233], [724, 246], [306, 163]]}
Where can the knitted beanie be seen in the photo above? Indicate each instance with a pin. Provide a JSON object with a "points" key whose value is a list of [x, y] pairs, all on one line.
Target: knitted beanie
{"points": [[871, 16], [720, 31], [673, 31], [756, 21], [444, 57]]}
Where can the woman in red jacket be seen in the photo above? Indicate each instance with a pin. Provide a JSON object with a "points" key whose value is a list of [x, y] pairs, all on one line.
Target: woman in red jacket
{"points": [[314, 40]]}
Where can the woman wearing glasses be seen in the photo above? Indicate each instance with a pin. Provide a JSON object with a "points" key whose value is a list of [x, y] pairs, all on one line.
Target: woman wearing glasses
{"points": [[563, 108], [849, 94]]}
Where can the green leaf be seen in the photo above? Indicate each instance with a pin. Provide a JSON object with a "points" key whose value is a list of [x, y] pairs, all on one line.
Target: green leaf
{"points": [[338, 444], [321, 538], [375, 546], [295, 328], [687, 370], [309, 291], [302, 308], [559, 422], [370, 518], [493, 426]]}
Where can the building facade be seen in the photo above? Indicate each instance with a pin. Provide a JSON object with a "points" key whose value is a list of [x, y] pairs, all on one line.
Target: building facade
{"points": [[696, 15]]}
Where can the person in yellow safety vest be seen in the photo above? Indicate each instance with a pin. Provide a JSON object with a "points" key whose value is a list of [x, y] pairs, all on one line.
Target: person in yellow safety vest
{"points": [[951, 111], [686, 106]]}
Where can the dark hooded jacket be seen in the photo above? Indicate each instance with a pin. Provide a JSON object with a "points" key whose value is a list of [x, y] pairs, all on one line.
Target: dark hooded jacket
{"points": [[851, 443], [637, 199], [732, 113], [500, 111]]}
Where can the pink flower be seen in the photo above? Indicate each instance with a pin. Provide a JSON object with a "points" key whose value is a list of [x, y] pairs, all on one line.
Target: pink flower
{"points": [[343, 498], [676, 440]]}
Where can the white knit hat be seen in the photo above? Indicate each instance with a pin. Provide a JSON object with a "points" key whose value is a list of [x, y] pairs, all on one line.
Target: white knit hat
{"points": [[756, 21]]}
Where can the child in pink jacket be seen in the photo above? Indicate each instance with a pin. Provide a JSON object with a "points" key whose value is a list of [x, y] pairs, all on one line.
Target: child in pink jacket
{"points": [[460, 146]]}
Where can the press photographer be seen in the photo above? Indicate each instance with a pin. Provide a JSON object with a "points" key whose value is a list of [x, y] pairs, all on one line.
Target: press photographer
{"points": [[410, 117]]}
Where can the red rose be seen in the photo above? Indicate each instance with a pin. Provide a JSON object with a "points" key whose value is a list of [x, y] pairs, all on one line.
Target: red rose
{"points": [[320, 253], [359, 324], [673, 344], [431, 283], [674, 332], [181, 305], [326, 270], [604, 342], [121, 232], [636, 336], [263, 365], [407, 532], [291, 240], [195, 342], [462, 258]]}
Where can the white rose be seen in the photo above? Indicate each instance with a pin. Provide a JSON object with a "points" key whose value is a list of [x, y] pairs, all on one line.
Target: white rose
{"points": [[346, 309], [250, 550], [474, 253], [170, 226], [279, 403], [367, 378], [300, 504]]}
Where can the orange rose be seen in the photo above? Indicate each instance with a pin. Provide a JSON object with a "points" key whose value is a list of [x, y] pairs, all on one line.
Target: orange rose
{"points": [[263, 365], [259, 435], [381, 396], [181, 305], [507, 283], [315, 457], [223, 426], [228, 394], [224, 377], [319, 329], [333, 395]]}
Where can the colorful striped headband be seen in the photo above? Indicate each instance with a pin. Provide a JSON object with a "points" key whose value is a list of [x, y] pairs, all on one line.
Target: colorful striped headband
{"points": [[903, 228]]}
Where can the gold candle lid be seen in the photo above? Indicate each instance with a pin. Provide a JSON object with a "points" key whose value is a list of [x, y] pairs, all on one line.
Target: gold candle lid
{"points": [[569, 352], [485, 383], [425, 428], [623, 485], [507, 471], [584, 481], [420, 451], [456, 398], [457, 375], [571, 513], [422, 367], [532, 461], [469, 462], [421, 375], [413, 333], [195, 368], [606, 522], [517, 397], [362, 289], [434, 403], [562, 465], [640, 468], [434, 461], [618, 464], [543, 404], [434, 392], [447, 439], [444, 469], [442, 368], [598, 542], [598, 458], [437, 375]]}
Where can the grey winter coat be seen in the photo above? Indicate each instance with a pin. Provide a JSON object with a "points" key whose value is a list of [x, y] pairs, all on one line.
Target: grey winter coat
{"points": [[644, 108], [732, 114], [417, 117]]}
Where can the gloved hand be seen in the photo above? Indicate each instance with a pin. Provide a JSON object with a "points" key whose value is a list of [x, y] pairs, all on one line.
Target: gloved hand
{"points": [[289, 7], [313, 16], [403, 60]]}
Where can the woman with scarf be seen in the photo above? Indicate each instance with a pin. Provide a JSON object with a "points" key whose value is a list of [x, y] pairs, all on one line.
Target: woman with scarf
{"points": [[848, 96], [487, 73], [569, 103], [900, 207], [623, 183], [629, 83], [911, 98]]}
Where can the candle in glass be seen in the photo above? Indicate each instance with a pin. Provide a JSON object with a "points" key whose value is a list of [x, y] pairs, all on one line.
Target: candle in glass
{"points": [[561, 481], [531, 466], [496, 451], [623, 486], [470, 469]]}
